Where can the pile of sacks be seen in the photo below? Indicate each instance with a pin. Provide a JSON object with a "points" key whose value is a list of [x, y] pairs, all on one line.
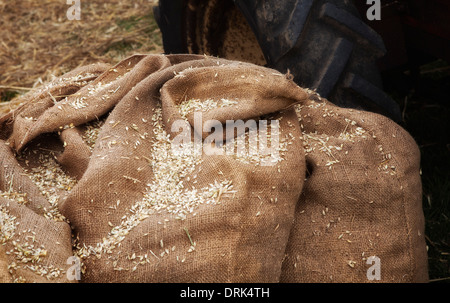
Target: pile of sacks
{"points": [[129, 173]]}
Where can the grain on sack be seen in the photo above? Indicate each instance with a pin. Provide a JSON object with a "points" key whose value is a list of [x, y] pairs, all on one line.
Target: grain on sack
{"points": [[163, 215]]}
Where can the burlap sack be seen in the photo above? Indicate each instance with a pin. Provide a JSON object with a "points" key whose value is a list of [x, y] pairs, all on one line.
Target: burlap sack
{"points": [[359, 218], [140, 213], [35, 239], [96, 153]]}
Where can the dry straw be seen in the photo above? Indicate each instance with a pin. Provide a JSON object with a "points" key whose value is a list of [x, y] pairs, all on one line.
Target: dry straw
{"points": [[38, 41]]}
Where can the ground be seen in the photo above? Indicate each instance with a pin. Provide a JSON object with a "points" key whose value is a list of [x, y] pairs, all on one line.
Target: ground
{"points": [[37, 42]]}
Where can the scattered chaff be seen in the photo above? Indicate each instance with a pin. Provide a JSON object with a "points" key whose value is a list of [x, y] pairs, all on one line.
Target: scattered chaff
{"points": [[39, 42]]}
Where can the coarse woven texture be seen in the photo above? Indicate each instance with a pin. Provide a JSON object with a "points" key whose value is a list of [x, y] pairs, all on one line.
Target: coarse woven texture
{"points": [[361, 200], [99, 150], [91, 167]]}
